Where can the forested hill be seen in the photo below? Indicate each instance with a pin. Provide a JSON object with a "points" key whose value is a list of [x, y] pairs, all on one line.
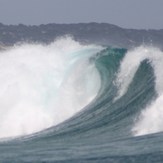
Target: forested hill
{"points": [[98, 33]]}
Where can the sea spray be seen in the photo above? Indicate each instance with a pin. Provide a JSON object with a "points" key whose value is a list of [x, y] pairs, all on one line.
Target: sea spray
{"points": [[43, 85]]}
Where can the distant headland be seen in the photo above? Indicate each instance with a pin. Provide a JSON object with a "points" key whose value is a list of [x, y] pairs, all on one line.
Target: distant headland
{"points": [[86, 33]]}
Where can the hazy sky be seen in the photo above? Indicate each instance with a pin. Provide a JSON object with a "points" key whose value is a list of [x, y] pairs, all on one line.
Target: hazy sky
{"points": [[125, 13]]}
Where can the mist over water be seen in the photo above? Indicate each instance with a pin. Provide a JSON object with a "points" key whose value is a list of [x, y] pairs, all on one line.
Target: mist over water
{"points": [[44, 85]]}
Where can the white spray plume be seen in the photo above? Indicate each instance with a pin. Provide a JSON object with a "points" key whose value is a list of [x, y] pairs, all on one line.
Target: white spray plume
{"points": [[43, 85]]}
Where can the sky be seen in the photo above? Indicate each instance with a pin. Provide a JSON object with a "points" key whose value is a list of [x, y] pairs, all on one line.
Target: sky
{"points": [[137, 14]]}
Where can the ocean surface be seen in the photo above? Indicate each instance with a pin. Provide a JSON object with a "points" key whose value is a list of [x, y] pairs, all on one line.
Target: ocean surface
{"points": [[71, 103]]}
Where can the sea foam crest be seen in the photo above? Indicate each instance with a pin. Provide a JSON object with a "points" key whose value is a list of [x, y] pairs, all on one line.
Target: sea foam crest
{"points": [[43, 85], [151, 118]]}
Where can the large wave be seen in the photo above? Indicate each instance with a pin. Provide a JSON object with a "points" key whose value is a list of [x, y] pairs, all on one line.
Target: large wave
{"points": [[44, 85], [91, 103]]}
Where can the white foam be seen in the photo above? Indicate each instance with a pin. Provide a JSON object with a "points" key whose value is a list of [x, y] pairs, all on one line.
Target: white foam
{"points": [[43, 85], [151, 118]]}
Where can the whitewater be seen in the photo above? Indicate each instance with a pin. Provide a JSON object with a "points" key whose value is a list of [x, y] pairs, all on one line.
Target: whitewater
{"points": [[41, 85], [71, 102]]}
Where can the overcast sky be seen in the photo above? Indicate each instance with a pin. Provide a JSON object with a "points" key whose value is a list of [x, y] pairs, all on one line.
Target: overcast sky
{"points": [[125, 13]]}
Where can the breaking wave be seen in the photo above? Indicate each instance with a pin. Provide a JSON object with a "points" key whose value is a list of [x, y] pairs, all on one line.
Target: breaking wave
{"points": [[81, 103]]}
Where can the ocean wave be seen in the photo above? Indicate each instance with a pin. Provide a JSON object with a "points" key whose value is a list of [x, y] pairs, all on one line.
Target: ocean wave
{"points": [[81, 103]]}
